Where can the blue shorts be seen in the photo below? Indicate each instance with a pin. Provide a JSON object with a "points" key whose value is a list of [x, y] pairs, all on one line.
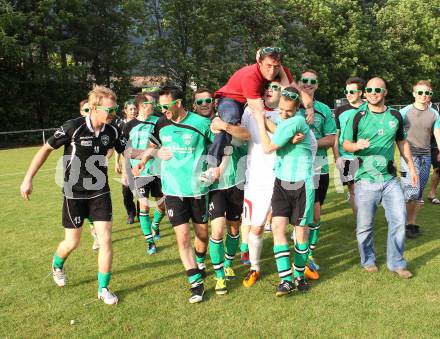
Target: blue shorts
{"points": [[422, 163]]}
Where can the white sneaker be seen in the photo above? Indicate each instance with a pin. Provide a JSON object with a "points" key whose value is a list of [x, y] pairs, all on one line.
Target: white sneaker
{"points": [[268, 227], [95, 245], [59, 276], [107, 297]]}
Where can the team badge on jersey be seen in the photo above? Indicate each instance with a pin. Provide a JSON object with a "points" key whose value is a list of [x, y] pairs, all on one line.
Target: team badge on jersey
{"points": [[105, 140], [59, 133], [187, 138], [380, 131], [392, 124]]}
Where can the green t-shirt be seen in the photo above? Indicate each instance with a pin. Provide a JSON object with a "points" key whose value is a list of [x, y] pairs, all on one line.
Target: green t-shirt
{"points": [[381, 129], [139, 134], [235, 172], [323, 125], [293, 161], [188, 140]]}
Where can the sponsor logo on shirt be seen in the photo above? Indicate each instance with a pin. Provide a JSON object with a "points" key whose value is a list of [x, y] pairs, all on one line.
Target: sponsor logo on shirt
{"points": [[187, 138], [86, 143], [86, 137], [166, 138], [105, 140], [59, 133]]}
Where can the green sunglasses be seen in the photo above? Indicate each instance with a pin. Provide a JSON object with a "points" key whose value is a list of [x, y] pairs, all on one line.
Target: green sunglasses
{"points": [[269, 50], [309, 81], [352, 91], [200, 102], [168, 106], [291, 95], [427, 93], [150, 89], [86, 110], [111, 110], [374, 89], [273, 87]]}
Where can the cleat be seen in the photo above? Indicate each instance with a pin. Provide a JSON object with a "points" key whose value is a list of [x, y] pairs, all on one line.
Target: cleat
{"points": [[107, 297], [229, 273], [285, 287], [95, 245], [197, 293], [130, 219], [268, 227], [311, 274], [311, 262], [245, 258], [202, 269], [301, 284], [251, 278], [59, 276], [220, 286], [151, 248]]}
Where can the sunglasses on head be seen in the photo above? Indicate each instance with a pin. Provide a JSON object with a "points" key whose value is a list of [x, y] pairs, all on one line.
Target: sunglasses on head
{"points": [[351, 91], [200, 102], [168, 106], [374, 90], [427, 93], [150, 89], [273, 87], [291, 95], [110, 110], [309, 81], [86, 110], [149, 102], [269, 50]]}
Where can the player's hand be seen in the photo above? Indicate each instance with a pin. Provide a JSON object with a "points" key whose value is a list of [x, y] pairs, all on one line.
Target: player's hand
{"points": [[217, 125], [118, 167], [164, 153], [310, 117], [414, 179], [438, 157], [26, 189], [136, 170], [297, 138], [340, 163], [362, 144]]}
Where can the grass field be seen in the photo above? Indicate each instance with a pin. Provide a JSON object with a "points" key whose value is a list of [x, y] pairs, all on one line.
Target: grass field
{"points": [[153, 291]]}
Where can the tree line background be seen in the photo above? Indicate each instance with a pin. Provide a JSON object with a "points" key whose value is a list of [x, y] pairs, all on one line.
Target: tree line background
{"points": [[53, 51]]}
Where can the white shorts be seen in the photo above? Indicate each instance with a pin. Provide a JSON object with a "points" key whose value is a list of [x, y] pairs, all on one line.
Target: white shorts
{"points": [[256, 206]]}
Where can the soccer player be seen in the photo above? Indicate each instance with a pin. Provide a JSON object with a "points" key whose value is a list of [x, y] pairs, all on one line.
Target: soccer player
{"points": [[130, 113], [324, 129], [435, 161], [203, 103], [183, 137], [86, 141], [138, 133], [420, 122], [370, 134], [346, 162], [293, 193]]}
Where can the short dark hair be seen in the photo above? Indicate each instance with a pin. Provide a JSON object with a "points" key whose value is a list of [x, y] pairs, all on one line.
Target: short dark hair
{"points": [[202, 90], [358, 81], [140, 98], [309, 70], [175, 92]]}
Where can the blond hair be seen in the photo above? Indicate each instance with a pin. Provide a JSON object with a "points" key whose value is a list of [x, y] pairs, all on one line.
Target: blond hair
{"points": [[98, 93], [426, 83]]}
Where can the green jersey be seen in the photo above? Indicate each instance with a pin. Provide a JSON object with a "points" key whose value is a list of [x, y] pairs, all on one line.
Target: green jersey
{"points": [[188, 140], [235, 171], [323, 125], [293, 161], [139, 133], [376, 162]]}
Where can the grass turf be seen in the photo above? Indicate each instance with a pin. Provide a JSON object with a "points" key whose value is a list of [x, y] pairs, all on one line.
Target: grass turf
{"points": [[153, 290]]}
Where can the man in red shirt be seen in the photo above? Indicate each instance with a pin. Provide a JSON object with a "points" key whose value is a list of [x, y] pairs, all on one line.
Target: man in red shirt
{"points": [[247, 86]]}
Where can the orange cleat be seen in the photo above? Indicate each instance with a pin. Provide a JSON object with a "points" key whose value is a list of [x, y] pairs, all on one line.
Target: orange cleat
{"points": [[251, 278], [311, 274]]}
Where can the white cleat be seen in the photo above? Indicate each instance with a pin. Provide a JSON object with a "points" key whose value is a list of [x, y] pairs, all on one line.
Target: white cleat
{"points": [[95, 245], [107, 297], [59, 276], [268, 227]]}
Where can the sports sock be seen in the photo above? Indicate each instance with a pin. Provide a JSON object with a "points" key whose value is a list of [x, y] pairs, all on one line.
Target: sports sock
{"points": [[282, 258], [58, 262], [244, 247], [200, 258], [157, 217], [103, 280], [194, 277], [300, 259], [255, 247], [145, 222], [217, 254], [231, 248], [315, 230]]}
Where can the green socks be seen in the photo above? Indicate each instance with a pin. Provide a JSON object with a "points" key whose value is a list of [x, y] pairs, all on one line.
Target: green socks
{"points": [[217, 254], [244, 247], [58, 262], [282, 258], [145, 222], [315, 230], [157, 217], [194, 277], [231, 248], [200, 257], [103, 280], [300, 259]]}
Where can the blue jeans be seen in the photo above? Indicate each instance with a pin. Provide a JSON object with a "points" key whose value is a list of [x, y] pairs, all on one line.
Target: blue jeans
{"points": [[367, 197], [229, 111]]}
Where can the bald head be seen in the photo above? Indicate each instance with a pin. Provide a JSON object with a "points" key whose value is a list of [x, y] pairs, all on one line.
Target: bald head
{"points": [[376, 82]]}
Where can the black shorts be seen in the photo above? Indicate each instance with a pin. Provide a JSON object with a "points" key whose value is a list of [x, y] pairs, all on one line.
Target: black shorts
{"points": [[96, 209], [289, 200], [181, 210], [435, 164], [227, 202], [145, 185], [322, 187], [348, 172]]}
